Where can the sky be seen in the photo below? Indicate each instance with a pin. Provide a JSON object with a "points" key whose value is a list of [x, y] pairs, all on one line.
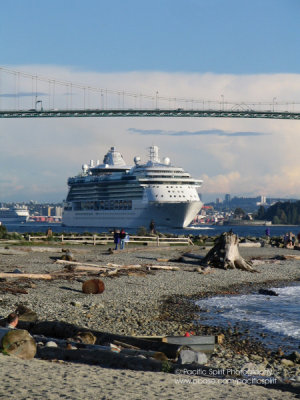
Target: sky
{"points": [[213, 51]]}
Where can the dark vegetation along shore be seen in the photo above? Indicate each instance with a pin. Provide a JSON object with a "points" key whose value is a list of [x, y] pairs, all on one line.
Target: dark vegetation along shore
{"points": [[142, 301], [281, 213]]}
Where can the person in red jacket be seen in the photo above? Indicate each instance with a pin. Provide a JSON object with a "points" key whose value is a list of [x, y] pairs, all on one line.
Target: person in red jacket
{"points": [[122, 239]]}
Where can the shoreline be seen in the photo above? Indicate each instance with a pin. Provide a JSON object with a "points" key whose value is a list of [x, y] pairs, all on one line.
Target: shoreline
{"points": [[150, 303], [189, 306]]}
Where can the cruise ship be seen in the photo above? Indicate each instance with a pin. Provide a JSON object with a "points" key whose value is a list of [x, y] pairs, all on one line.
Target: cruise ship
{"points": [[114, 194], [16, 214]]}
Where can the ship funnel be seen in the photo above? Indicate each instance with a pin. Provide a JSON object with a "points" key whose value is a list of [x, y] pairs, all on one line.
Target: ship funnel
{"points": [[153, 154]]}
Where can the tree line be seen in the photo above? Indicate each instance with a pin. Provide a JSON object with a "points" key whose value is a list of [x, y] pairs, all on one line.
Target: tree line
{"points": [[281, 213]]}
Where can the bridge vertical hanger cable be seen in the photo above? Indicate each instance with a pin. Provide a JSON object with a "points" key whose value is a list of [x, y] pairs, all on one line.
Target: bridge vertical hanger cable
{"points": [[15, 94], [49, 94], [18, 90], [53, 102], [67, 96], [0, 88], [36, 90]]}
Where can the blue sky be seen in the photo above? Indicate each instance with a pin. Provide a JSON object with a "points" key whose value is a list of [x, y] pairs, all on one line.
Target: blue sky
{"points": [[221, 36], [240, 51]]}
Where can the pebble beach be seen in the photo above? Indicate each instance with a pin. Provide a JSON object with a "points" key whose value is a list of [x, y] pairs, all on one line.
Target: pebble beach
{"points": [[141, 303]]}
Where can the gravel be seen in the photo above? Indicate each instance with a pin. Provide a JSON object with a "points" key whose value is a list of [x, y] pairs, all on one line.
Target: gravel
{"points": [[130, 300], [152, 303]]}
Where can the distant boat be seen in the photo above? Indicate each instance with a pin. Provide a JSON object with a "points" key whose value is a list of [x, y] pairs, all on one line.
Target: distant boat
{"points": [[16, 214]]}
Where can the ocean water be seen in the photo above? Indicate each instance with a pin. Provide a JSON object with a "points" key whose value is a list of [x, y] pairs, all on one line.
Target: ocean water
{"points": [[276, 317], [210, 230]]}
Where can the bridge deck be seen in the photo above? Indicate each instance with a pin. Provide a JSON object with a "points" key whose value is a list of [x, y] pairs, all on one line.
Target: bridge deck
{"points": [[148, 113]]}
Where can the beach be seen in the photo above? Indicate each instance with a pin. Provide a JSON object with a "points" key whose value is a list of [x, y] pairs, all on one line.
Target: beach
{"points": [[139, 303]]}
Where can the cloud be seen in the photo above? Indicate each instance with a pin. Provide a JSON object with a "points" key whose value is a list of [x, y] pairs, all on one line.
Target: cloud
{"points": [[22, 94], [217, 132]]}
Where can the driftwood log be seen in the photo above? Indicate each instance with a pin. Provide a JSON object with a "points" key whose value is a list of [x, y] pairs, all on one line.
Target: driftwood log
{"points": [[25, 276], [225, 254]]}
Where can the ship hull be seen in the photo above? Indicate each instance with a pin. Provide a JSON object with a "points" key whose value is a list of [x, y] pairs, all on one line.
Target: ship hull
{"points": [[164, 214], [13, 220]]}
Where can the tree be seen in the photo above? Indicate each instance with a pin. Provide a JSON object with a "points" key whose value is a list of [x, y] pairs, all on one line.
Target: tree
{"points": [[3, 232], [285, 213], [261, 212], [239, 213], [282, 217]]}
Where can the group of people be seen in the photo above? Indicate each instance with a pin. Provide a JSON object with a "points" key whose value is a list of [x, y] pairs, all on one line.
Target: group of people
{"points": [[290, 240], [120, 238]]}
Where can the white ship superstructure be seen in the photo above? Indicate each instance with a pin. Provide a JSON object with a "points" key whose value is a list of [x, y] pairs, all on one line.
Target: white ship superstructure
{"points": [[114, 194], [16, 214]]}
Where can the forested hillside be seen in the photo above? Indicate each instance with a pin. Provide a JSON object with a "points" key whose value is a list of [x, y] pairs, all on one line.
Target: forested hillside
{"points": [[281, 213]]}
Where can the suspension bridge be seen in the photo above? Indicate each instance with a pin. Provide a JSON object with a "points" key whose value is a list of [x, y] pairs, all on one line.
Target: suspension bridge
{"points": [[23, 95]]}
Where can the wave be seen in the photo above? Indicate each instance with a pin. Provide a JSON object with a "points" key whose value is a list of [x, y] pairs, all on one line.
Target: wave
{"points": [[276, 316], [198, 228]]}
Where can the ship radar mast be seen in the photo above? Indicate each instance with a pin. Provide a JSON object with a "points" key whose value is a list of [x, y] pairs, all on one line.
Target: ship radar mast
{"points": [[153, 154]]}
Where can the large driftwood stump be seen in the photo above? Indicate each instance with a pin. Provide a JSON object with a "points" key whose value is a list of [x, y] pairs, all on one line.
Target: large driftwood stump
{"points": [[225, 254]]}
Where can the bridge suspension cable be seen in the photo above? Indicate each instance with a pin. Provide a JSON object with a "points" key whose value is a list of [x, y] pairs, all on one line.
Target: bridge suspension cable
{"points": [[24, 95]]}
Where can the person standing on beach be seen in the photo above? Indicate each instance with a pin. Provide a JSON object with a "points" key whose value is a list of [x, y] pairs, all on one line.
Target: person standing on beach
{"points": [[116, 238], [152, 227], [122, 239], [268, 232]]}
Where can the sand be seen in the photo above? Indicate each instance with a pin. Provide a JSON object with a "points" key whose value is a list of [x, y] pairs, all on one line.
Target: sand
{"points": [[38, 379]]}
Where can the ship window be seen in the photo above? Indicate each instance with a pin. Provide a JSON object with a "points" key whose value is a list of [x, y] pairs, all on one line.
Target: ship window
{"points": [[77, 206]]}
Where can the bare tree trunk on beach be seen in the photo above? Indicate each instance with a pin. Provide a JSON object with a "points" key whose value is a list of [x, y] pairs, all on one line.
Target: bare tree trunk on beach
{"points": [[225, 254]]}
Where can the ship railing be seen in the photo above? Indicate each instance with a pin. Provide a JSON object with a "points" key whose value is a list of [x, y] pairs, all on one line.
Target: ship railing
{"points": [[105, 239]]}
